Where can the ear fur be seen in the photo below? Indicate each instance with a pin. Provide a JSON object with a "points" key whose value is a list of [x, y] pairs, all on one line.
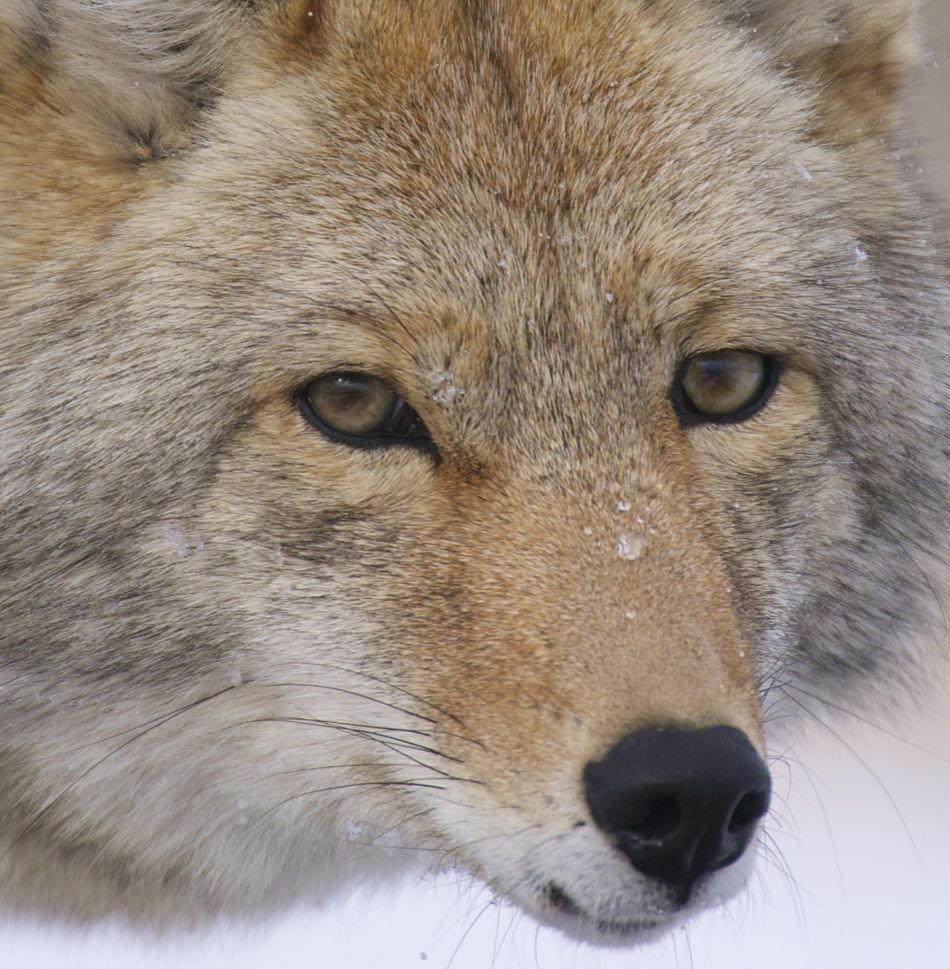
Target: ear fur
{"points": [[853, 55], [133, 72]]}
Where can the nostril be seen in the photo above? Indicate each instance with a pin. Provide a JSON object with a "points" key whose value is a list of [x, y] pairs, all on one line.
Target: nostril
{"points": [[748, 811], [659, 818]]}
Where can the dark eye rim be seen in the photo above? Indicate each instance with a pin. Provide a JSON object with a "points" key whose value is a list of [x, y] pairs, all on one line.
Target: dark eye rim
{"points": [[690, 416], [410, 431]]}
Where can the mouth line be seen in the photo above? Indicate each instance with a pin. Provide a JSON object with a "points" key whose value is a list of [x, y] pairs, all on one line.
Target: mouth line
{"points": [[558, 899], [621, 929]]}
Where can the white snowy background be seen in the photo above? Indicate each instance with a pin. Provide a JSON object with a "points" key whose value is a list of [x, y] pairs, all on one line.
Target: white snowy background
{"points": [[864, 842]]}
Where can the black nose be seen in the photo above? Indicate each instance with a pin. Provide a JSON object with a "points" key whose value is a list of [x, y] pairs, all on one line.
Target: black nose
{"points": [[679, 803]]}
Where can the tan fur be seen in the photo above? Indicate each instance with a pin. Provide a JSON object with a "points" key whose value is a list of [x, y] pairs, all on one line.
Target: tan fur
{"points": [[242, 663]]}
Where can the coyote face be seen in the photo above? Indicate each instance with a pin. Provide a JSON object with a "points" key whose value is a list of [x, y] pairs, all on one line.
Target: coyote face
{"points": [[453, 426]]}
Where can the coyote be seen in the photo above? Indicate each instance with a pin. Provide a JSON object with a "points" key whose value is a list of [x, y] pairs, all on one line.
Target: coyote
{"points": [[465, 426]]}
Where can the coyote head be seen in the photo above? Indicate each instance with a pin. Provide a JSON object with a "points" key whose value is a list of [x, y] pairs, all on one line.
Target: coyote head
{"points": [[450, 425]]}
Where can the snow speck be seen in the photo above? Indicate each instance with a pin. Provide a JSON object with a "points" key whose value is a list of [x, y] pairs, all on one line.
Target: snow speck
{"points": [[623, 505], [804, 172], [630, 546], [588, 531], [175, 539], [503, 262], [860, 255], [609, 297], [354, 831], [235, 677], [630, 614], [279, 554], [566, 238], [444, 389]]}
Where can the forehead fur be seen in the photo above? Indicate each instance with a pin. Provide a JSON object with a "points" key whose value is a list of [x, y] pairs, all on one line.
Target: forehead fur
{"points": [[430, 114], [507, 194]]}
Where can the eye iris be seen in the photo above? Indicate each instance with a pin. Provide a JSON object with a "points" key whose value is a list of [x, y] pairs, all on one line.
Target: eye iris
{"points": [[353, 404], [726, 382]]}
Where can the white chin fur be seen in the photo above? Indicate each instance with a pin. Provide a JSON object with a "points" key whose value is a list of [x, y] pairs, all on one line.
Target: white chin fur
{"points": [[606, 902]]}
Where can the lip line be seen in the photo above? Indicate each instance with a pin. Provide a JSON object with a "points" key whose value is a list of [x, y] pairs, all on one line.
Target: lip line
{"points": [[631, 927], [626, 928], [560, 900]]}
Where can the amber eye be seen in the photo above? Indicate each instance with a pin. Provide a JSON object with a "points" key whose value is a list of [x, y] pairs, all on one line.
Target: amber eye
{"points": [[724, 386], [360, 410]]}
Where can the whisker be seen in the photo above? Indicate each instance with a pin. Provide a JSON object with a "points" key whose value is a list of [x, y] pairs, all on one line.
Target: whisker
{"points": [[810, 775], [391, 686], [153, 722], [870, 723], [871, 772], [307, 770], [348, 725], [500, 942], [397, 745], [468, 931], [354, 693], [151, 726], [362, 730], [773, 853], [355, 785]]}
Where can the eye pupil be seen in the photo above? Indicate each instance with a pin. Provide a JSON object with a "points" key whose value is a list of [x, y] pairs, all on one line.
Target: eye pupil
{"points": [[727, 385]]}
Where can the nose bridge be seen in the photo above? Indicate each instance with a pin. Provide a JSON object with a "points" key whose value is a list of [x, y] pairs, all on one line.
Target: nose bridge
{"points": [[632, 601]]}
